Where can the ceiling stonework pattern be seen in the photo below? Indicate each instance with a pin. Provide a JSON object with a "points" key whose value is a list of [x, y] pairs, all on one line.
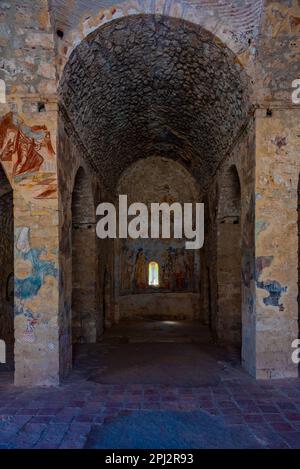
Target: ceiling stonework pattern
{"points": [[151, 85]]}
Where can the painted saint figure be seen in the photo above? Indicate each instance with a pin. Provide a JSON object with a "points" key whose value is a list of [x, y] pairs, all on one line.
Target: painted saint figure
{"points": [[140, 272]]}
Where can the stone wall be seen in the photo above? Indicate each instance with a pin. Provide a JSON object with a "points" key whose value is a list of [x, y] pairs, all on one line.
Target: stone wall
{"points": [[85, 261], [228, 301], [277, 53], [28, 153], [277, 178], [229, 258], [159, 180], [160, 306]]}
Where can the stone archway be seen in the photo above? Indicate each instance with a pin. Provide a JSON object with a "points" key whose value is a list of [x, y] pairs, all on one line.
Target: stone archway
{"points": [[84, 261], [150, 86], [229, 255], [124, 85], [234, 25], [176, 294]]}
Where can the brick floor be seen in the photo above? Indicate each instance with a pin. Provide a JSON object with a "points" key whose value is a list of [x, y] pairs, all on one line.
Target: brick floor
{"points": [[259, 414], [27, 422]]}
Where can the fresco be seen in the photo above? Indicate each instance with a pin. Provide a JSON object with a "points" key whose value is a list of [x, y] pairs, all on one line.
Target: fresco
{"points": [[34, 273], [178, 267], [29, 334], [273, 287], [28, 156], [30, 285]]}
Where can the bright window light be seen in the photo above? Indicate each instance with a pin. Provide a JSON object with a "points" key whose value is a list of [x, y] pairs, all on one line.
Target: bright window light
{"points": [[153, 278]]}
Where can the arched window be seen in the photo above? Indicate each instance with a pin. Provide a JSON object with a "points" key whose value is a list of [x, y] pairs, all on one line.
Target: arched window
{"points": [[153, 277]]}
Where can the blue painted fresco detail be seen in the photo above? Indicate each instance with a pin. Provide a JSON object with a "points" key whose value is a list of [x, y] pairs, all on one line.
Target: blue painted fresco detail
{"points": [[275, 291], [260, 226], [274, 288], [29, 287]]}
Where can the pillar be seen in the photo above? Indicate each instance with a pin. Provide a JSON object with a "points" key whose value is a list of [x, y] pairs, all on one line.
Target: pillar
{"points": [[276, 241]]}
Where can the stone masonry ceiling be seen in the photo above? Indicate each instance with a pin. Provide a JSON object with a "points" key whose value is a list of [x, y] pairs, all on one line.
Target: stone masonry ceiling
{"points": [[151, 85]]}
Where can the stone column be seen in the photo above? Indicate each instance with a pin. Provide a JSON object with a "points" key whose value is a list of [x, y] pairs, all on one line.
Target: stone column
{"points": [[28, 154], [28, 127], [276, 241]]}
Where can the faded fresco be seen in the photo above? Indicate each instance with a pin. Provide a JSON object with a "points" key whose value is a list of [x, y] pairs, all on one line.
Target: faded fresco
{"points": [[35, 273], [178, 267], [157, 179], [28, 155]]}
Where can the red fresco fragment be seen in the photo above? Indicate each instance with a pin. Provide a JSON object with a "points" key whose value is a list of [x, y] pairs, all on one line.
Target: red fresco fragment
{"points": [[25, 150]]}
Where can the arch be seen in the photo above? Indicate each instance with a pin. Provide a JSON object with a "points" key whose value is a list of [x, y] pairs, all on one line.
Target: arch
{"points": [[161, 180], [132, 91], [153, 274], [7, 267], [229, 207], [120, 102], [84, 260], [218, 19], [83, 212], [229, 259]]}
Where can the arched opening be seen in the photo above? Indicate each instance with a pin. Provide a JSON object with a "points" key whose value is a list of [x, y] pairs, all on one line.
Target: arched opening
{"points": [[153, 106], [159, 278], [153, 274], [229, 255], [7, 270], [84, 261], [122, 98]]}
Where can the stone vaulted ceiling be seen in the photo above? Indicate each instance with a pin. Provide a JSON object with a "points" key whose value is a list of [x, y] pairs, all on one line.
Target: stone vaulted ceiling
{"points": [[146, 85]]}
